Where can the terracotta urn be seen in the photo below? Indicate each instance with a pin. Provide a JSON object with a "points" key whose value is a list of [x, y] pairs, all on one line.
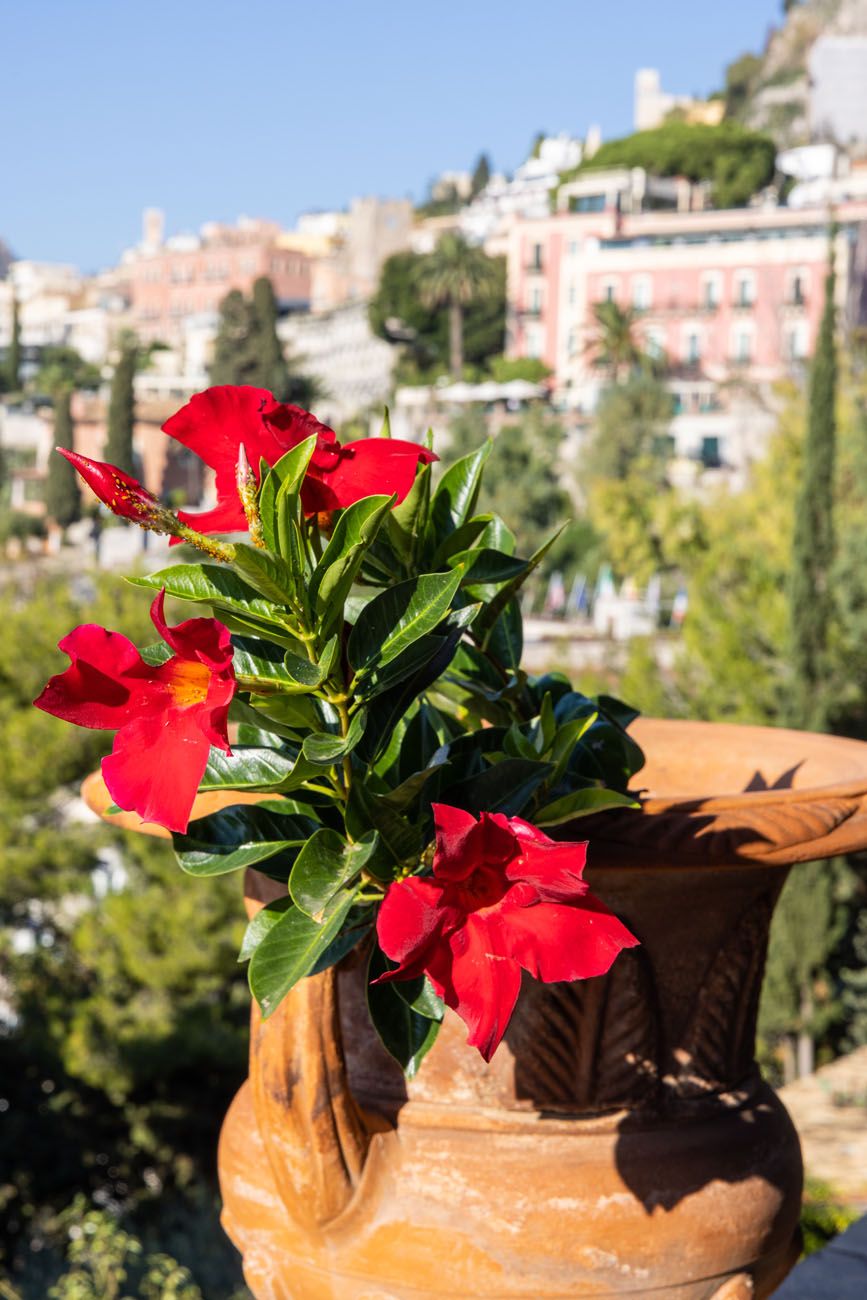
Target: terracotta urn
{"points": [[621, 1142]]}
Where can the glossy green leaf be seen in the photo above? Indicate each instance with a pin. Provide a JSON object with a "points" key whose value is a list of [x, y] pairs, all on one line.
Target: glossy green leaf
{"points": [[487, 566], [458, 491], [157, 654], [215, 586], [326, 863], [324, 748], [492, 611], [253, 769], [259, 925], [291, 949], [237, 837], [260, 665], [355, 529], [398, 617], [288, 473], [580, 803], [268, 573], [302, 674], [405, 1034], [420, 997], [506, 787]]}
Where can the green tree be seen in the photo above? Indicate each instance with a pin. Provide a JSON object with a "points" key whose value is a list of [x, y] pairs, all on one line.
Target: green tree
{"points": [[630, 424], [247, 349], [63, 367], [810, 593], [481, 174], [398, 314], [129, 1030], [453, 276], [616, 344], [62, 497], [121, 412], [742, 77], [13, 359], [737, 162]]}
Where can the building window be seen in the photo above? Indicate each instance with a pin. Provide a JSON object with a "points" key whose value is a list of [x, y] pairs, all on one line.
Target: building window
{"points": [[573, 248], [572, 345], [573, 294], [654, 343], [536, 301], [798, 289], [692, 347], [534, 343], [745, 289], [642, 292], [797, 342], [743, 346], [536, 257], [711, 291], [609, 291]]}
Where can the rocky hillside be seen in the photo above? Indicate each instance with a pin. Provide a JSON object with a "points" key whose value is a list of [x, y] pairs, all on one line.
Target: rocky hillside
{"points": [[770, 91]]}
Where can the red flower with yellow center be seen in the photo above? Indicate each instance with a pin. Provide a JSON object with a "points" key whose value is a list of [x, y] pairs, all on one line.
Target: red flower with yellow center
{"points": [[167, 716], [215, 425], [503, 897]]}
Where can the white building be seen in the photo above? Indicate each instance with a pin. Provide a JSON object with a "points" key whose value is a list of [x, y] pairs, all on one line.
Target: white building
{"points": [[838, 89], [339, 349]]}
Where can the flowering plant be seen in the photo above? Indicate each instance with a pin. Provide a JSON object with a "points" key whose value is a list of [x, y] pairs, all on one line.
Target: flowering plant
{"points": [[362, 675]]}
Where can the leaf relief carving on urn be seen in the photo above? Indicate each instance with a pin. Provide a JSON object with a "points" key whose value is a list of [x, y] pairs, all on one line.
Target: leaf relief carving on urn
{"points": [[592, 1045], [716, 1051]]}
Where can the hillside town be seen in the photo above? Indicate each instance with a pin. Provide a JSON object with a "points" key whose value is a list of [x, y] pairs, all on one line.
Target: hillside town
{"points": [[725, 295]]}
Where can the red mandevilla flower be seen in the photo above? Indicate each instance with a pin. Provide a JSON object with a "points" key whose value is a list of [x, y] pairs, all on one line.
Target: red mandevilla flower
{"points": [[216, 423], [123, 494], [167, 717], [503, 896]]}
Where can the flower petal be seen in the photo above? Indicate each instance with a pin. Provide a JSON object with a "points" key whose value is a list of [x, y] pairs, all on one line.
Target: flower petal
{"points": [[479, 981], [410, 918], [454, 829], [205, 640], [368, 467], [104, 684], [154, 769], [559, 941], [555, 869]]}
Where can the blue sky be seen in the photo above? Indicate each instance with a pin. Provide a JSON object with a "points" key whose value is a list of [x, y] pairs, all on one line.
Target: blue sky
{"points": [[271, 107]]}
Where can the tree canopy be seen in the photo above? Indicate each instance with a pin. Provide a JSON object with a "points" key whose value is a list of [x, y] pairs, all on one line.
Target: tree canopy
{"points": [[248, 350], [737, 162]]}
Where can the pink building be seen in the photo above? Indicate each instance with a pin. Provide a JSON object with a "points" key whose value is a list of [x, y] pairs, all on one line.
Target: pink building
{"points": [[720, 293], [186, 276]]}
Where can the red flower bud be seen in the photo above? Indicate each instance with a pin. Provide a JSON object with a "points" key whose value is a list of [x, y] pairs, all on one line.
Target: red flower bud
{"points": [[123, 494]]}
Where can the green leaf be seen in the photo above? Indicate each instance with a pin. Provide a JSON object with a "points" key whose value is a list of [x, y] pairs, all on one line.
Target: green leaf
{"points": [[402, 795], [487, 566], [420, 997], [253, 769], [507, 787], [407, 520], [505, 640], [291, 949], [259, 665], [323, 748], [269, 574], [259, 925], [405, 1034], [580, 803], [301, 673], [238, 837], [455, 498], [399, 840], [216, 586], [414, 657], [157, 654], [385, 431], [289, 473], [355, 529], [491, 612], [325, 865], [398, 617]]}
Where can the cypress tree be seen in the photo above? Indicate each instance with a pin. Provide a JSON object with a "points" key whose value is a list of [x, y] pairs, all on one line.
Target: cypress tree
{"points": [[233, 361], [62, 497], [272, 370], [121, 413], [13, 361], [481, 175], [810, 595]]}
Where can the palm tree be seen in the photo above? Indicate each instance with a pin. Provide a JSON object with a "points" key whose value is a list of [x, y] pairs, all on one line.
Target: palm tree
{"points": [[454, 275], [616, 344]]}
